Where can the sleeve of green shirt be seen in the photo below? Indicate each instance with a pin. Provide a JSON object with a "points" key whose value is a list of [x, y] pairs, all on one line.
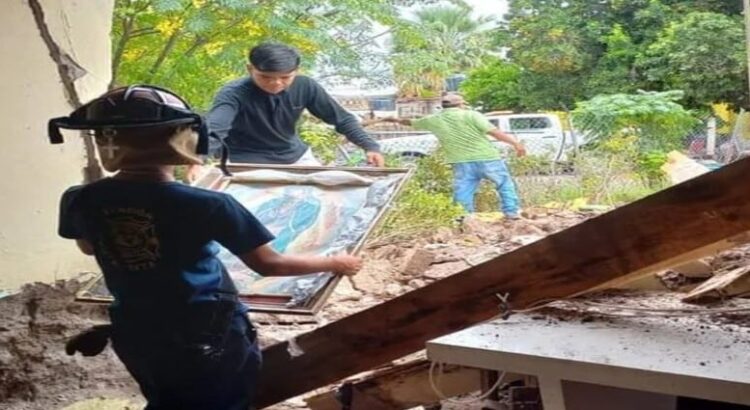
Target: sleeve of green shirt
{"points": [[424, 123], [481, 122]]}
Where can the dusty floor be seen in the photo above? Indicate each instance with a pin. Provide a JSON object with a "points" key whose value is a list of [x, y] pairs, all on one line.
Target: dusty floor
{"points": [[35, 373]]}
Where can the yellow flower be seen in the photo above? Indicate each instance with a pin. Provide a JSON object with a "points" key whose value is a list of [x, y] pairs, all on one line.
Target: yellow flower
{"points": [[169, 26], [214, 47], [130, 55], [252, 28], [199, 3]]}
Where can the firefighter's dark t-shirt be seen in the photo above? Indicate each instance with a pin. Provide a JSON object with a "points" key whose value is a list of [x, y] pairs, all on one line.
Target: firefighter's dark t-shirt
{"points": [[157, 243]]}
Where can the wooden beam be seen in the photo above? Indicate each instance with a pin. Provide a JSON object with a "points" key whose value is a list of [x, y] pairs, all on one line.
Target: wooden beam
{"points": [[708, 250], [402, 386], [673, 222], [724, 285]]}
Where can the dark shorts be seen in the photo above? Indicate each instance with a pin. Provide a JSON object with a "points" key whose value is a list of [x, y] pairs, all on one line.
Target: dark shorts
{"points": [[175, 375]]}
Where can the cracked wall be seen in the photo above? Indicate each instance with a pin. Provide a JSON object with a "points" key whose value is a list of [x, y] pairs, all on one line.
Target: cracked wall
{"points": [[33, 89]]}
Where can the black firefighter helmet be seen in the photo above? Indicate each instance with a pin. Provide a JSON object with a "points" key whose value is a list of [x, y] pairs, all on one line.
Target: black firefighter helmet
{"points": [[120, 117]]}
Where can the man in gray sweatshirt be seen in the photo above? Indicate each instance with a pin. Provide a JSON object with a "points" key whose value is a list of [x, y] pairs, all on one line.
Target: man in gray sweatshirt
{"points": [[256, 116]]}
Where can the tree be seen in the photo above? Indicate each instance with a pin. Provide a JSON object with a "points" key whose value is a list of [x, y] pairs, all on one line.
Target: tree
{"points": [[655, 119], [556, 50], [615, 71], [702, 54], [194, 46], [570, 50], [444, 39], [493, 86]]}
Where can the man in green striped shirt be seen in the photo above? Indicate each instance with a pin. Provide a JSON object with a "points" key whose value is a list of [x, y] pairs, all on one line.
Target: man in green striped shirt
{"points": [[462, 134]]}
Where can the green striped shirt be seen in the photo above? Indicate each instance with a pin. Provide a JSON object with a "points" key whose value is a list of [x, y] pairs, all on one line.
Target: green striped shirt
{"points": [[462, 134]]}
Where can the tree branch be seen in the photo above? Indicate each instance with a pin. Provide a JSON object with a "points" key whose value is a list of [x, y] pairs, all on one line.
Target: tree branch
{"points": [[171, 42], [127, 34], [143, 32], [127, 26]]}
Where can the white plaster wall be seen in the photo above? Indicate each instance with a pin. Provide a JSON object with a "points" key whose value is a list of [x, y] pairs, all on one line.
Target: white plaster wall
{"points": [[35, 173]]}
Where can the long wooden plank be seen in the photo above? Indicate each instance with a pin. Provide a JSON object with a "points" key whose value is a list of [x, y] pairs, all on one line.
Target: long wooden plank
{"points": [[711, 249], [683, 218], [403, 386]]}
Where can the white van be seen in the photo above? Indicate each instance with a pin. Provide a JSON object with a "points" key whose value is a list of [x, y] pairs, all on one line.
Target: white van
{"points": [[542, 135]]}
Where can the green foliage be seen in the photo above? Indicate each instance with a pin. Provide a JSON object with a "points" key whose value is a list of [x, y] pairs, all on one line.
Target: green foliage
{"points": [[418, 210], [427, 200], [614, 70], [493, 86], [702, 54], [549, 44], [655, 119], [434, 175], [195, 46], [570, 50], [649, 166], [444, 39], [323, 141]]}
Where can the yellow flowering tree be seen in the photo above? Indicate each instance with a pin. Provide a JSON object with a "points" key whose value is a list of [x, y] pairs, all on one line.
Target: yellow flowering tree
{"points": [[194, 46]]}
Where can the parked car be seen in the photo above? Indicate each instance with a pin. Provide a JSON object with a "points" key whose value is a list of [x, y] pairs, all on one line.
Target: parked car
{"points": [[542, 135]]}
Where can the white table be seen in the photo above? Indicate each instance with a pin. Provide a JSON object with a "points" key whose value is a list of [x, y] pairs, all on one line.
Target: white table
{"points": [[674, 357]]}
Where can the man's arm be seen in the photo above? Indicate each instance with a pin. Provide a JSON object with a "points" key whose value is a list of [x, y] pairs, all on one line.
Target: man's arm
{"points": [[266, 261], [402, 121], [221, 116], [238, 230], [219, 120], [323, 106], [508, 139]]}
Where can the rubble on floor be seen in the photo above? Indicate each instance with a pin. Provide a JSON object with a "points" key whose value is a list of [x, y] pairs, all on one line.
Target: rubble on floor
{"points": [[36, 374]]}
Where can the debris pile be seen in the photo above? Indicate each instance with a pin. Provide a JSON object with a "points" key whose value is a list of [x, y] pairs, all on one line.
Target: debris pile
{"points": [[35, 373]]}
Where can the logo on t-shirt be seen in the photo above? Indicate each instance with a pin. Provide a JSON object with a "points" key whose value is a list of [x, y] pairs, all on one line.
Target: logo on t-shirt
{"points": [[132, 243]]}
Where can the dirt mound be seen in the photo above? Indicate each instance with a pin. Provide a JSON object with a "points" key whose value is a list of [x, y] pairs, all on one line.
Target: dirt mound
{"points": [[35, 372]]}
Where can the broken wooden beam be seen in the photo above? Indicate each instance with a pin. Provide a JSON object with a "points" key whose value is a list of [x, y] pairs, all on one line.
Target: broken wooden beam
{"points": [[670, 223], [402, 386], [710, 249], [724, 285]]}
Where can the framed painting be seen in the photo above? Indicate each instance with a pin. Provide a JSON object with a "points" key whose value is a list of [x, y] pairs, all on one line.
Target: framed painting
{"points": [[310, 210]]}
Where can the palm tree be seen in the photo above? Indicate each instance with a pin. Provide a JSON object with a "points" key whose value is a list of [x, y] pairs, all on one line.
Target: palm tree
{"points": [[442, 40]]}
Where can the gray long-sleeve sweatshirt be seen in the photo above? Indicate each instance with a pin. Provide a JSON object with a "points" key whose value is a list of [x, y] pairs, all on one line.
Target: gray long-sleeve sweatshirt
{"points": [[259, 127]]}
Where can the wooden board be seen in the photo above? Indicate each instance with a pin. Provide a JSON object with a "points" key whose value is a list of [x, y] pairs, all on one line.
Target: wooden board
{"points": [[403, 386], [676, 221], [626, 281], [724, 285]]}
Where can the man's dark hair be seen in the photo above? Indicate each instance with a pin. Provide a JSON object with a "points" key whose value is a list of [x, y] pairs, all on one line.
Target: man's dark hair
{"points": [[274, 57]]}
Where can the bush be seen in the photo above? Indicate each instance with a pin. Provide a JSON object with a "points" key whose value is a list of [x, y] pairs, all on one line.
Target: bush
{"points": [[654, 119], [322, 140], [418, 210], [426, 202]]}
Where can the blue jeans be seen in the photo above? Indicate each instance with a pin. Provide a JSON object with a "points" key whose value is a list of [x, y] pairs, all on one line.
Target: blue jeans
{"points": [[468, 175]]}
